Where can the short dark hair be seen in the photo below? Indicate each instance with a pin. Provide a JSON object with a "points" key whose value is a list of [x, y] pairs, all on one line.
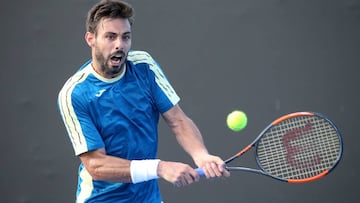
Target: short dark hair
{"points": [[108, 9]]}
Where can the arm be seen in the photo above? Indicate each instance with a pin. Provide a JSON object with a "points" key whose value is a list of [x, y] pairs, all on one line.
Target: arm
{"points": [[105, 167], [190, 139], [113, 169]]}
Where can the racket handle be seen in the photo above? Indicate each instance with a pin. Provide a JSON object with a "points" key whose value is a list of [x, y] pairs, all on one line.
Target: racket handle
{"points": [[200, 172]]}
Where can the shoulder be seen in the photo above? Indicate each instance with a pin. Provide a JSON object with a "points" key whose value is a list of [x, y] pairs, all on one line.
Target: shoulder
{"points": [[75, 81], [137, 57]]}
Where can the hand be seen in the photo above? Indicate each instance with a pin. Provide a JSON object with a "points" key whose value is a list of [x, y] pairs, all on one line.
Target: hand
{"points": [[177, 173], [213, 166]]}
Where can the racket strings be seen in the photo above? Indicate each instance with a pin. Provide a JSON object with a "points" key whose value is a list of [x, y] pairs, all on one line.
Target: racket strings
{"points": [[299, 148]]}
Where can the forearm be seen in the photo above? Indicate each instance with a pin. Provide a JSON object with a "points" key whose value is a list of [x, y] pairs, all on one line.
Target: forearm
{"points": [[113, 169], [186, 132], [106, 168], [189, 137]]}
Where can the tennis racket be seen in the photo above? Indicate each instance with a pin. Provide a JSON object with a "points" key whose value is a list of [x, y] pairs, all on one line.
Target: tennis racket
{"points": [[296, 148]]}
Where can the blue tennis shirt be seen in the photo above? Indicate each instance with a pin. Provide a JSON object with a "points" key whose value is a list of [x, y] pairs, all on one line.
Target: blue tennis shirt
{"points": [[120, 115]]}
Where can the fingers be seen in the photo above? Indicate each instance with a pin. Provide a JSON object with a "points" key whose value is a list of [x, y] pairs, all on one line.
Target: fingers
{"points": [[215, 167], [226, 173], [215, 173], [178, 174], [213, 170], [185, 179]]}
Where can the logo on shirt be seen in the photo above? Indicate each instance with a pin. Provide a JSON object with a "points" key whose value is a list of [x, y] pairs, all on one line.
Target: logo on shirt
{"points": [[100, 93]]}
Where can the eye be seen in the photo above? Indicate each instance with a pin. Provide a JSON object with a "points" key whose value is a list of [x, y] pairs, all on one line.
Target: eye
{"points": [[110, 36], [126, 37]]}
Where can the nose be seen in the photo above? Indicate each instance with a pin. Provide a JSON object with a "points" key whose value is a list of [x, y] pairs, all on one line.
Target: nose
{"points": [[119, 45]]}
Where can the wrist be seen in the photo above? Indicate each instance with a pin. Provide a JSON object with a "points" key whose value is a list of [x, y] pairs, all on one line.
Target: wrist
{"points": [[144, 170]]}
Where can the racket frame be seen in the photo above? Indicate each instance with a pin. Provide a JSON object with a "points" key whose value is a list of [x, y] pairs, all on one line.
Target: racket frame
{"points": [[274, 123]]}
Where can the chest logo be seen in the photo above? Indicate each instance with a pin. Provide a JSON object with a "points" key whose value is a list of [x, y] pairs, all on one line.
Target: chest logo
{"points": [[100, 92]]}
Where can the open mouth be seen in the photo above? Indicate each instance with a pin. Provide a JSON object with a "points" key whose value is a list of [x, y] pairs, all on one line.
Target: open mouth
{"points": [[116, 59]]}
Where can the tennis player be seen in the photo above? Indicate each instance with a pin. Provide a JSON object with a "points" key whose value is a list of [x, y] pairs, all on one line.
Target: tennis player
{"points": [[111, 107]]}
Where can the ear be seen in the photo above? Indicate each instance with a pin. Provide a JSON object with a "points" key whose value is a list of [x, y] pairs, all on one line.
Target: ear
{"points": [[90, 38]]}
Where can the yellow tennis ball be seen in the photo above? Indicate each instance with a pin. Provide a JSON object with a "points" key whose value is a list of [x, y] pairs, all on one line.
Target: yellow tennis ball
{"points": [[236, 120]]}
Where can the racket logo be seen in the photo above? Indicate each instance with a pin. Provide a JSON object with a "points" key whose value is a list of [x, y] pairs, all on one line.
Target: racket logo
{"points": [[301, 157]]}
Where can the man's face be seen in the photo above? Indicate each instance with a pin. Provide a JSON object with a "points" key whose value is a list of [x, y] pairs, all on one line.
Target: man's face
{"points": [[110, 46]]}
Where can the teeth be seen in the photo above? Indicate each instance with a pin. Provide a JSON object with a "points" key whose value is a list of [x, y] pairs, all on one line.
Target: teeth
{"points": [[118, 55]]}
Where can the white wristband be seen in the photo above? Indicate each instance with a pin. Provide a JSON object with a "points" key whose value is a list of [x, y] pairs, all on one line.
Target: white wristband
{"points": [[144, 170]]}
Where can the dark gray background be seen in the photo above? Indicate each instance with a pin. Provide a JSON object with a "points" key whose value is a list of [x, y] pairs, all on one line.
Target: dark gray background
{"points": [[266, 57]]}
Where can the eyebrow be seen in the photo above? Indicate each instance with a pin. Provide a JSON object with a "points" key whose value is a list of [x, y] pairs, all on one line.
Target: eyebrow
{"points": [[115, 33]]}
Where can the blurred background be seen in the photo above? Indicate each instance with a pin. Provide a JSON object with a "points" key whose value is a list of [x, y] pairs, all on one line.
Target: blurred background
{"points": [[265, 57]]}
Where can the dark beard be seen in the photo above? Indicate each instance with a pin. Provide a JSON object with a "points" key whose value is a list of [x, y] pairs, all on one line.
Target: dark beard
{"points": [[105, 68]]}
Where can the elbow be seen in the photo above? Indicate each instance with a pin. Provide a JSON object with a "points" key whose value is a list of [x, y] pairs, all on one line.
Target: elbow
{"points": [[93, 168], [94, 163]]}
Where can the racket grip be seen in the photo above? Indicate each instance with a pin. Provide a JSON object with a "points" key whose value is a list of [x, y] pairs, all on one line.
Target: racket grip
{"points": [[200, 172]]}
